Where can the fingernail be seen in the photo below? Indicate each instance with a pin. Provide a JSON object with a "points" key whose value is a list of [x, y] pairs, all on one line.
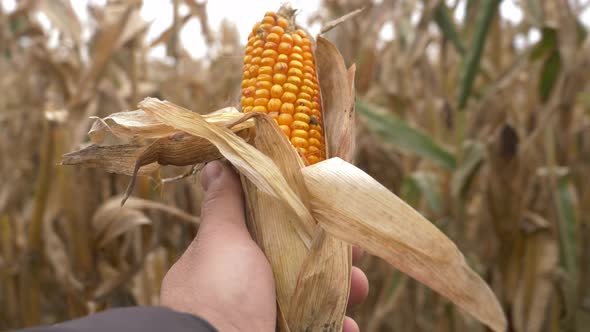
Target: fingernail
{"points": [[211, 171]]}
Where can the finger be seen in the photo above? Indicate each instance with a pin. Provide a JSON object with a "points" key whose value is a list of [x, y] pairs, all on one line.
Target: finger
{"points": [[222, 211], [359, 287], [350, 325], [357, 254]]}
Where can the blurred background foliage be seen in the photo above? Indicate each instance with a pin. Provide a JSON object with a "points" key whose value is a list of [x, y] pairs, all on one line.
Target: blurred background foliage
{"points": [[482, 128]]}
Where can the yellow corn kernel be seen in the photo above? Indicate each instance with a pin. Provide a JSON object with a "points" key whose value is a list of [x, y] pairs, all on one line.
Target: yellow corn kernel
{"points": [[286, 130], [287, 108], [297, 40], [262, 93], [315, 134], [260, 101], [303, 102], [268, 20], [300, 125], [278, 30], [299, 142], [312, 159], [265, 70], [295, 72], [290, 88], [300, 133], [282, 22], [274, 105], [294, 80], [288, 97], [295, 64], [313, 150], [263, 85], [285, 119], [285, 48], [273, 37], [281, 67], [276, 91], [283, 58], [279, 78], [296, 56], [264, 77], [287, 38], [270, 46], [260, 109], [301, 117], [248, 101], [267, 62], [303, 110], [314, 142]]}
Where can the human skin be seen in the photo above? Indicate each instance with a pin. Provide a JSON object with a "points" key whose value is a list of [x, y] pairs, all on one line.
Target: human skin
{"points": [[223, 276]]}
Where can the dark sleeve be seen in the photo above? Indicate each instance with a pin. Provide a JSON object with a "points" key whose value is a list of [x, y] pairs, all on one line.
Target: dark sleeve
{"points": [[144, 319]]}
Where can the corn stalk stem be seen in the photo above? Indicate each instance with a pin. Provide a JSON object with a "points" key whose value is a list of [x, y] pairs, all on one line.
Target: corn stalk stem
{"points": [[10, 287], [30, 283]]}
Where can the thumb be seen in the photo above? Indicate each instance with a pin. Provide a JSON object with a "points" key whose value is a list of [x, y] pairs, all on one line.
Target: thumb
{"points": [[222, 212]]}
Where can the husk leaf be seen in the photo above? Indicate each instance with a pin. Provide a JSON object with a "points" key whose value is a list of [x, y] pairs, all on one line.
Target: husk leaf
{"points": [[337, 88], [138, 125], [118, 159], [271, 221], [252, 163], [354, 207], [321, 295], [135, 143]]}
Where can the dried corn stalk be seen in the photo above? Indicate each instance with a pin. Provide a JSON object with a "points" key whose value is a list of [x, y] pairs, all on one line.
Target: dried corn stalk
{"points": [[304, 218]]}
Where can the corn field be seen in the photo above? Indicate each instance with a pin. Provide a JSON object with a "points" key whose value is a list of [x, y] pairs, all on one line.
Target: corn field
{"points": [[482, 128]]}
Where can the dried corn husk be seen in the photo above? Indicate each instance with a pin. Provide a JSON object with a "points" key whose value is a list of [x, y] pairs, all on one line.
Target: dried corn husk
{"points": [[304, 218]]}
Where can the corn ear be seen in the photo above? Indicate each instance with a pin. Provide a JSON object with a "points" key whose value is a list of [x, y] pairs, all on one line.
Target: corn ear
{"points": [[280, 79]]}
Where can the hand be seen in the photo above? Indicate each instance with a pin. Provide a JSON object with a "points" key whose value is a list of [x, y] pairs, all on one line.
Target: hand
{"points": [[223, 276]]}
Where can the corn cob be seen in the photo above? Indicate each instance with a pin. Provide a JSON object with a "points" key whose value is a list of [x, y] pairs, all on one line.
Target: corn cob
{"points": [[280, 80]]}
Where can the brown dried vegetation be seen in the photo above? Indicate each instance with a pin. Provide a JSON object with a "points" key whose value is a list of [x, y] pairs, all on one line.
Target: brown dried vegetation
{"points": [[488, 140]]}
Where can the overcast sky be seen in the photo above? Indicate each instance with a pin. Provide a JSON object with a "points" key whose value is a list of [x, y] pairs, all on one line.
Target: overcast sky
{"points": [[244, 13]]}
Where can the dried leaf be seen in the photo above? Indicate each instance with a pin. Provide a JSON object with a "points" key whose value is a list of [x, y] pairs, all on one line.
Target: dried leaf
{"points": [[337, 88], [271, 221], [134, 26], [126, 126], [334, 23], [57, 255], [133, 125], [106, 44], [534, 292], [352, 206], [119, 159], [112, 220], [171, 148], [62, 15], [179, 150], [321, 295]]}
